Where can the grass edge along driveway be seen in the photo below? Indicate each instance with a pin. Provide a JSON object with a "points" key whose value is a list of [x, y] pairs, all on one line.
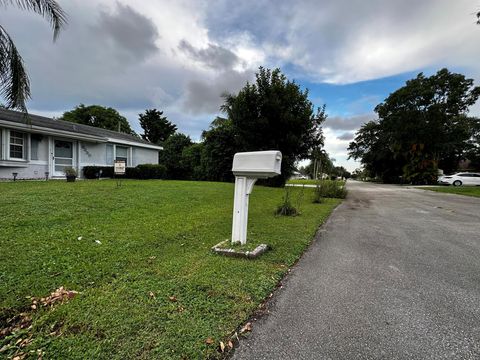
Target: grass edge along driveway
{"points": [[139, 256], [459, 190]]}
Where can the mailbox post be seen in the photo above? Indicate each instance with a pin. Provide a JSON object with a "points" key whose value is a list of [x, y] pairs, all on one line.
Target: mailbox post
{"points": [[247, 168]]}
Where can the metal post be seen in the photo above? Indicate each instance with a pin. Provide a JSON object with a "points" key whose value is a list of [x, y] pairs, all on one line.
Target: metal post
{"points": [[243, 188]]}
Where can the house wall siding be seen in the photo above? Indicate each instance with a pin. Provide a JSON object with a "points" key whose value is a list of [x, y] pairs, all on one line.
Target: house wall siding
{"points": [[92, 154], [144, 156], [30, 171]]}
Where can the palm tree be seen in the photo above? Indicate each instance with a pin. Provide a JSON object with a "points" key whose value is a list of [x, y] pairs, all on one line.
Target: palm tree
{"points": [[14, 81]]}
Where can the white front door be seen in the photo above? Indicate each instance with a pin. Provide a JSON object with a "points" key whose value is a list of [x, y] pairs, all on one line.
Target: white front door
{"points": [[63, 156]]}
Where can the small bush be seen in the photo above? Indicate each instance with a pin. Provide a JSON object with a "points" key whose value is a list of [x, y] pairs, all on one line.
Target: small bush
{"points": [[329, 189], [143, 171], [151, 171], [286, 208], [94, 172]]}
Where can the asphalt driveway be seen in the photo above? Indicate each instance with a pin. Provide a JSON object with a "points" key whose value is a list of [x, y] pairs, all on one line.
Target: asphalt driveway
{"points": [[394, 274]]}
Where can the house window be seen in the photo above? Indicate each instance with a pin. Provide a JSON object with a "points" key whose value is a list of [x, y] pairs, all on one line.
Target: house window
{"points": [[34, 143], [109, 154], [17, 145], [121, 153]]}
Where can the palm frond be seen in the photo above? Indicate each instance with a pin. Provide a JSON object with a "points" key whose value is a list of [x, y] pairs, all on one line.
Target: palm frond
{"points": [[49, 9], [14, 81]]}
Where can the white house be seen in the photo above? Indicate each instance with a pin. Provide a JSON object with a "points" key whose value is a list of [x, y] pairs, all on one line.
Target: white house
{"points": [[33, 146]]}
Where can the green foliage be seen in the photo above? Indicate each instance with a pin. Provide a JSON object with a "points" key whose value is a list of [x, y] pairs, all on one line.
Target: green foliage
{"points": [[15, 84], [155, 239], [219, 148], [143, 171], [459, 190], [421, 127], [473, 152], [98, 116], [94, 172], [151, 171], [156, 127], [192, 160], [172, 156], [329, 189], [340, 172], [421, 169], [70, 171], [272, 113], [286, 208], [320, 164]]}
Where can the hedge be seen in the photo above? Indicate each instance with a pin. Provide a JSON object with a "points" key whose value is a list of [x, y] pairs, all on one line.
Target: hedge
{"points": [[143, 171]]}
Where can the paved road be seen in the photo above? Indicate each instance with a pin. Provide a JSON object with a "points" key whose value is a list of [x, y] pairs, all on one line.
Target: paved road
{"points": [[394, 274]]}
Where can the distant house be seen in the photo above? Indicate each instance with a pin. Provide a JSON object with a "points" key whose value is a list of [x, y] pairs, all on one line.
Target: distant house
{"points": [[33, 147]]}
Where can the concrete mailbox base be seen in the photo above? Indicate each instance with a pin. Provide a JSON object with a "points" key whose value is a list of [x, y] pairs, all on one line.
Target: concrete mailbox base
{"points": [[222, 250]]}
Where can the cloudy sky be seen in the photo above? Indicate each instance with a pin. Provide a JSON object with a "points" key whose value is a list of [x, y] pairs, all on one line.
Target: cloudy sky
{"points": [[179, 56]]}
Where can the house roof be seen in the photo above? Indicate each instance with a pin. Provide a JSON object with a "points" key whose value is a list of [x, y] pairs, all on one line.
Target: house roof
{"points": [[36, 121]]}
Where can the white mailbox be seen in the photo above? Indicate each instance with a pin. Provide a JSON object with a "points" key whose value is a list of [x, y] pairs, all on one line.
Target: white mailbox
{"points": [[247, 168], [258, 164]]}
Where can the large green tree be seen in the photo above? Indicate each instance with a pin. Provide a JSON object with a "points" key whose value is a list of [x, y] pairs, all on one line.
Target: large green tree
{"points": [[320, 164], [156, 127], [274, 113], [421, 127], [219, 147], [172, 156], [14, 81], [98, 116]]}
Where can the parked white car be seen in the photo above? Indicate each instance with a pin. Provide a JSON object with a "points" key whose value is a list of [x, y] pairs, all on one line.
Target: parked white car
{"points": [[459, 179]]}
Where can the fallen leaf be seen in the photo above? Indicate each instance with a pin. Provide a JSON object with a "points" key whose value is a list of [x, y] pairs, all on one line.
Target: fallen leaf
{"points": [[25, 342], [230, 344], [209, 341], [172, 298], [247, 327], [222, 346]]}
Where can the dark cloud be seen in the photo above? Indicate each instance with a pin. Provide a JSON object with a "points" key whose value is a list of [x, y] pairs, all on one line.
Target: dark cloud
{"points": [[214, 56], [347, 123], [346, 136], [128, 31], [205, 96]]}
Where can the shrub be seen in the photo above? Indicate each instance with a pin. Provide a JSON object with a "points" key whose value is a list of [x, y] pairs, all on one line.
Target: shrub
{"points": [[70, 171], [286, 208], [151, 171], [143, 171], [93, 172], [329, 189]]}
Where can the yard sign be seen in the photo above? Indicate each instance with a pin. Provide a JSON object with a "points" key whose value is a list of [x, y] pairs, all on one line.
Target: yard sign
{"points": [[119, 167]]}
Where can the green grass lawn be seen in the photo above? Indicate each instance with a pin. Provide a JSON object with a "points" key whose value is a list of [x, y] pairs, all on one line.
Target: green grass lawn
{"points": [[460, 190], [127, 250]]}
